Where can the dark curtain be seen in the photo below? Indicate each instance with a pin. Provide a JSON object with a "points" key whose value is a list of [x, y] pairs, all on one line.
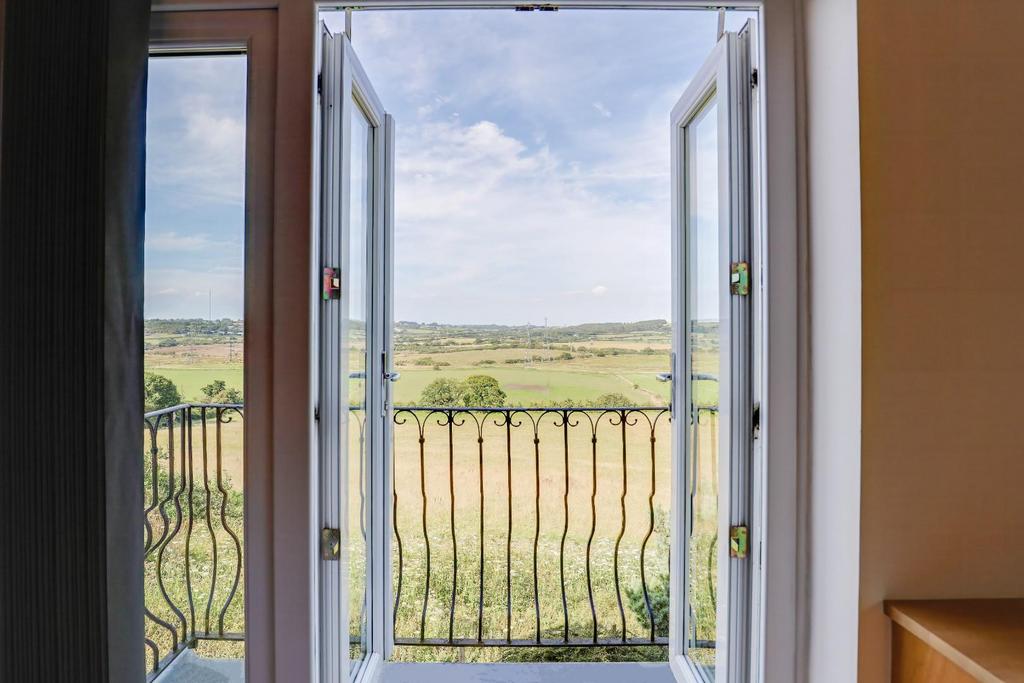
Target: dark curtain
{"points": [[71, 221]]}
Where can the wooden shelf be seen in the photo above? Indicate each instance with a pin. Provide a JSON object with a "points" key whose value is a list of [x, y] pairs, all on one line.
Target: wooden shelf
{"points": [[957, 641]]}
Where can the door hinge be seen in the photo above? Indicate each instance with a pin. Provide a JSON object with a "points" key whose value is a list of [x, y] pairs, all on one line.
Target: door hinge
{"points": [[330, 544], [320, 84], [738, 540], [756, 421], [753, 78], [739, 278], [332, 284]]}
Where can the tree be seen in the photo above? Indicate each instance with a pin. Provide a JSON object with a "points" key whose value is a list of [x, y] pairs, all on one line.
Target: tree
{"points": [[218, 391], [442, 392], [160, 392], [614, 400], [482, 390]]}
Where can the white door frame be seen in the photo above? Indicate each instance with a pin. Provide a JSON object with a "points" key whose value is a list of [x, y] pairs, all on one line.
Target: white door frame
{"points": [[343, 84], [780, 584], [725, 79]]}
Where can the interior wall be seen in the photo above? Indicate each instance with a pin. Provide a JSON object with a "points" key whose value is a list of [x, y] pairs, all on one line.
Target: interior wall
{"points": [[832, 300], [941, 106]]}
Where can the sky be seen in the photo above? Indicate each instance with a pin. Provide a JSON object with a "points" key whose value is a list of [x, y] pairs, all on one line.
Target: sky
{"points": [[532, 155], [195, 187]]}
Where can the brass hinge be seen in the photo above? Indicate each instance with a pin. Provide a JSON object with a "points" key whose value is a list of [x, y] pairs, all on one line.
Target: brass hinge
{"points": [[330, 544], [738, 540], [739, 278]]}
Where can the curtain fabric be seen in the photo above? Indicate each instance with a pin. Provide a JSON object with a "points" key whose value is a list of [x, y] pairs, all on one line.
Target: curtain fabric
{"points": [[71, 230]]}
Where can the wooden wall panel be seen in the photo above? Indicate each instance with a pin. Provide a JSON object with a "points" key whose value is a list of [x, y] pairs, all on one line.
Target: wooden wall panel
{"points": [[941, 105]]}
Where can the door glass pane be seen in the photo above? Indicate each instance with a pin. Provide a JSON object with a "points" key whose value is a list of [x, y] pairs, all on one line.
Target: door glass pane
{"points": [[703, 278], [356, 259]]}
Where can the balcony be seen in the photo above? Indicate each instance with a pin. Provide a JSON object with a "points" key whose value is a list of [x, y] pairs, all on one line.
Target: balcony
{"points": [[519, 535]]}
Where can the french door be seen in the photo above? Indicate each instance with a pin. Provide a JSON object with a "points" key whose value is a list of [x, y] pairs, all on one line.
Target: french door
{"points": [[713, 402], [355, 215]]}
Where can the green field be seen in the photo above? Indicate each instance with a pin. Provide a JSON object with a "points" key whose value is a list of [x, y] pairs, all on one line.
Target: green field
{"points": [[191, 380], [533, 367]]}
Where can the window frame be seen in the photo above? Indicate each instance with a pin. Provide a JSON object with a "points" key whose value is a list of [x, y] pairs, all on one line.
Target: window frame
{"points": [[345, 85], [252, 33], [723, 81], [287, 582]]}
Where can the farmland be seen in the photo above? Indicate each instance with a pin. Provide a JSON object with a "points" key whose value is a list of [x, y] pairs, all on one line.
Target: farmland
{"points": [[585, 365]]}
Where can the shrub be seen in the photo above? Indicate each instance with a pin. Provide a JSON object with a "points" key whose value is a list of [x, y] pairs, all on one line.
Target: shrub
{"points": [[160, 392], [442, 392], [482, 390], [218, 391], [475, 390]]}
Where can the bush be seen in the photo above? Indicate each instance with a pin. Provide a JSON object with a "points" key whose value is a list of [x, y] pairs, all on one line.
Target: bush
{"points": [[443, 391], [482, 390], [160, 392], [476, 390], [614, 399], [218, 391], [658, 592]]}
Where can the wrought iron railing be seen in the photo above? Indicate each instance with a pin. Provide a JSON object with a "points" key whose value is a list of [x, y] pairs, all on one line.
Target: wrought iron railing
{"points": [[526, 527], [512, 527], [193, 529]]}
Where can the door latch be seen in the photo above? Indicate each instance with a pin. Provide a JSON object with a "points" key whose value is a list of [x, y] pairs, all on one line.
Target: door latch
{"points": [[330, 544], [739, 278], [332, 284], [738, 540]]}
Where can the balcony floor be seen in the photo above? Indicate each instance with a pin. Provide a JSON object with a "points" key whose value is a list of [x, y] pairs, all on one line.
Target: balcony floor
{"points": [[399, 672], [189, 667]]}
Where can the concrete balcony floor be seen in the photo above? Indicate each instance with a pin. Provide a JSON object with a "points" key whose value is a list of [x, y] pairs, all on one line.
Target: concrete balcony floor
{"points": [[191, 668]]}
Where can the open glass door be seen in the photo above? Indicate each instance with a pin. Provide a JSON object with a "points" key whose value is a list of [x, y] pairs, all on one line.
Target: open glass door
{"points": [[355, 193], [712, 400]]}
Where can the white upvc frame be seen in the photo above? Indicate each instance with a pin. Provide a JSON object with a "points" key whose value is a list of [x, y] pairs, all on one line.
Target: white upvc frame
{"points": [[344, 84], [282, 619], [781, 585], [252, 32], [725, 80]]}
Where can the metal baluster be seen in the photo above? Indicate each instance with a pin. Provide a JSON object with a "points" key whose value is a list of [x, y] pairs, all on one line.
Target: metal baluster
{"points": [[480, 607], [650, 527], [536, 506], [713, 422], [188, 529], [156, 654], [153, 483], [622, 528], [223, 516], [593, 516], [426, 538], [177, 522], [455, 542], [565, 527], [394, 526], [209, 517], [508, 537]]}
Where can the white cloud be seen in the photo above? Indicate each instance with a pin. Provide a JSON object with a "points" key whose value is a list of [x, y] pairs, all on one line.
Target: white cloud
{"points": [[555, 174], [491, 228], [171, 241], [196, 130], [184, 292]]}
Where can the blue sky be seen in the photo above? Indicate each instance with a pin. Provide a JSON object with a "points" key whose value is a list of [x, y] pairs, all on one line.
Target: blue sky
{"points": [[195, 160], [532, 164]]}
